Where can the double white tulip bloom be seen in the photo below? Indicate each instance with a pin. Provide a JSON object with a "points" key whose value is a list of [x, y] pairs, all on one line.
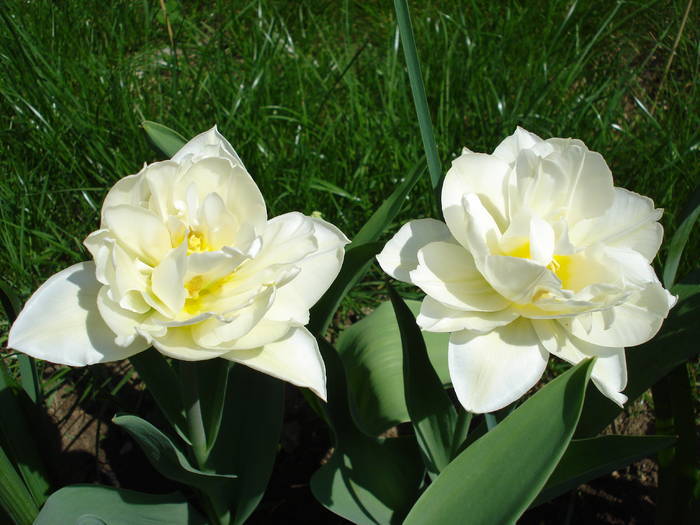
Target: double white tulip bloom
{"points": [[187, 261], [539, 253]]}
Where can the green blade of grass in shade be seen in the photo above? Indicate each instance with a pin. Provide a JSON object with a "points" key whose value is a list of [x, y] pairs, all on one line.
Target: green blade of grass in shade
{"points": [[419, 99]]}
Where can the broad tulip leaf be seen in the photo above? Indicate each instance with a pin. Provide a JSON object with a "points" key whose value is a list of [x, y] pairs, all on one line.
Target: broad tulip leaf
{"points": [[248, 438], [15, 498], [433, 415], [497, 477], [154, 370], [164, 139], [367, 480], [359, 255], [587, 459], [166, 458], [17, 437], [99, 505], [680, 238], [372, 356], [676, 342]]}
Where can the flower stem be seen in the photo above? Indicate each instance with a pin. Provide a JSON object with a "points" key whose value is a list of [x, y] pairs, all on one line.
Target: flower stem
{"points": [[193, 411], [419, 99]]}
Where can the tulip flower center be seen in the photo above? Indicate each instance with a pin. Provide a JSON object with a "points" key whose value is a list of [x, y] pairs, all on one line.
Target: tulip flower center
{"points": [[560, 265], [196, 242]]}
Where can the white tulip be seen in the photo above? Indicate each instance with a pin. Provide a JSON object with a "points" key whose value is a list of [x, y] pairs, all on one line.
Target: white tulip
{"points": [[539, 253], [187, 261]]}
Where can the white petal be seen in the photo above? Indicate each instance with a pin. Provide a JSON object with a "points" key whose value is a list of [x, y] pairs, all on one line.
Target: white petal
{"points": [[138, 230], [167, 280], [630, 222], [484, 177], [541, 241], [610, 369], [130, 190], [61, 323], [517, 279], [436, 317], [295, 358], [490, 371], [263, 333], [121, 321], [447, 273], [179, 344], [480, 174], [400, 255], [632, 323], [213, 333], [481, 233], [511, 146], [233, 184], [211, 143], [318, 270]]}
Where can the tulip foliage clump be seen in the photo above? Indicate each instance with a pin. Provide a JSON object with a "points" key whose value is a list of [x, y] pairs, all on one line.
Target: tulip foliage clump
{"points": [[215, 305]]}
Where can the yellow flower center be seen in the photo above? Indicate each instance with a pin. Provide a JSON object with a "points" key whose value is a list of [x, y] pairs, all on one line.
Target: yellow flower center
{"points": [[198, 294], [560, 265], [196, 242]]}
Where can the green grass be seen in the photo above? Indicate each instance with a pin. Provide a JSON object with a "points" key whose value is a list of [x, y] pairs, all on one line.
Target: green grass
{"points": [[315, 98]]}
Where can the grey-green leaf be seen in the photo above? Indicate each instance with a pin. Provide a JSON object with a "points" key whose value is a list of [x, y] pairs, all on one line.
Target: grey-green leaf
{"points": [[248, 438], [166, 457], [432, 414], [367, 480], [496, 478], [587, 459], [373, 361], [164, 139], [99, 505], [680, 238]]}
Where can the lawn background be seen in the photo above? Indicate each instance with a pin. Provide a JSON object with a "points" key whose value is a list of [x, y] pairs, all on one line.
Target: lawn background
{"points": [[315, 98]]}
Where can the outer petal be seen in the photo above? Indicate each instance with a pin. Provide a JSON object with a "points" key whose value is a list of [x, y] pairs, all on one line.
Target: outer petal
{"points": [[447, 273], [610, 369], [490, 371], [211, 143], [478, 173], [295, 358], [436, 317], [318, 270], [630, 222], [61, 323], [629, 324], [400, 255]]}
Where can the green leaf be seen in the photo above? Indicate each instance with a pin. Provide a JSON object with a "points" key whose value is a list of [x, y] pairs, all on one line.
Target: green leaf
{"points": [[166, 458], [15, 499], [648, 363], [248, 438], [419, 99], [27, 365], [587, 459], [17, 436], [680, 238], [161, 380], [367, 480], [99, 505], [432, 414], [497, 477], [164, 139], [359, 255], [373, 361]]}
